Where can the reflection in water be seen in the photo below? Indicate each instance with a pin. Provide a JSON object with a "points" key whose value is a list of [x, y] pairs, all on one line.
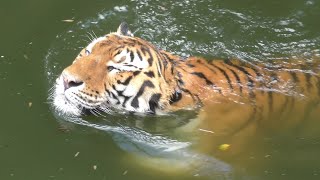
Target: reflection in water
{"points": [[269, 146], [152, 151]]}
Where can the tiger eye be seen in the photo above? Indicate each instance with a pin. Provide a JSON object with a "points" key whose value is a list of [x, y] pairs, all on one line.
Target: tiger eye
{"points": [[110, 68]]}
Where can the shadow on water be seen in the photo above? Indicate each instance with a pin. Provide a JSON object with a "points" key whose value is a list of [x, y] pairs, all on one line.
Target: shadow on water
{"points": [[270, 149]]}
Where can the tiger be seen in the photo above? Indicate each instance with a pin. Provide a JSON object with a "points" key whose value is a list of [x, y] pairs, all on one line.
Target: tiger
{"points": [[125, 73], [234, 99]]}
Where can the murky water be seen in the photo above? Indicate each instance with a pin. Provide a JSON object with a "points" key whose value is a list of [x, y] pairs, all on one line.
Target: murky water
{"points": [[38, 143]]}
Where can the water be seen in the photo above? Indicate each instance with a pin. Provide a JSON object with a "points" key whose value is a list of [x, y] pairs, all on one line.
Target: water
{"points": [[37, 143]]}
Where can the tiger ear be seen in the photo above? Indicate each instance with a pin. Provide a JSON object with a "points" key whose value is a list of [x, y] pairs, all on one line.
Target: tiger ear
{"points": [[124, 30]]}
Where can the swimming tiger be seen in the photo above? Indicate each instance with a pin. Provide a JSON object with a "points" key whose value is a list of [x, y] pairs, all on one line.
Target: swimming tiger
{"points": [[121, 72]]}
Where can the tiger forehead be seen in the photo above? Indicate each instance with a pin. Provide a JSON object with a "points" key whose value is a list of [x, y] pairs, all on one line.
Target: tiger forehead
{"points": [[114, 42]]}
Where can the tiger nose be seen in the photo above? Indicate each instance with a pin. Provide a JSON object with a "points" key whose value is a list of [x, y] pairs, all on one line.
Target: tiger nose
{"points": [[69, 81]]}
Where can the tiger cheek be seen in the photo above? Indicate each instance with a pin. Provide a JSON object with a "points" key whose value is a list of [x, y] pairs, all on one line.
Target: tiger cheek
{"points": [[90, 71]]}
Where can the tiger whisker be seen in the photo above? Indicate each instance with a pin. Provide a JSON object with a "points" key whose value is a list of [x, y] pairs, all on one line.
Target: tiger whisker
{"points": [[96, 37], [87, 41], [105, 109], [51, 93], [94, 112], [92, 36], [99, 113], [89, 37], [48, 102], [137, 30]]}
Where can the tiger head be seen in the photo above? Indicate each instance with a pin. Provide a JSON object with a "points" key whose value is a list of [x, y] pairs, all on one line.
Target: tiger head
{"points": [[117, 71]]}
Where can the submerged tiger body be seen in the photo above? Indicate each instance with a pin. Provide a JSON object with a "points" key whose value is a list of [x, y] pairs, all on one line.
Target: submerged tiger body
{"points": [[126, 73]]}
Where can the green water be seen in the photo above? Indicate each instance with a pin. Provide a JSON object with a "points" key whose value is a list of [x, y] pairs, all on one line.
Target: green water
{"points": [[36, 44]]}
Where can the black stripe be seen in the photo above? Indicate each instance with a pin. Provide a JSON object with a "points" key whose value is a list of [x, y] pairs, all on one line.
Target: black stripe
{"points": [[284, 105], [154, 102], [108, 92], [257, 73], [294, 76], [172, 69], [175, 97], [118, 52], [146, 83], [270, 101], [105, 86], [113, 87], [150, 60], [146, 51], [139, 55], [126, 82], [131, 56], [225, 75], [164, 61], [126, 98], [238, 79], [180, 81], [202, 76], [115, 97], [149, 74], [195, 97], [190, 65], [240, 69], [129, 65], [120, 93], [250, 83], [308, 81], [135, 73], [226, 61], [166, 56], [118, 49], [188, 92]]}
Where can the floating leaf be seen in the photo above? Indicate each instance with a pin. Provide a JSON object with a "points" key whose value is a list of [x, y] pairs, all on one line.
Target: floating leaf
{"points": [[77, 154], [25, 56], [224, 147], [67, 20]]}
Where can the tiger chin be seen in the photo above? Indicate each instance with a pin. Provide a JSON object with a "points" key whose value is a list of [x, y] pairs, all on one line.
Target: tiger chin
{"points": [[125, 73]]}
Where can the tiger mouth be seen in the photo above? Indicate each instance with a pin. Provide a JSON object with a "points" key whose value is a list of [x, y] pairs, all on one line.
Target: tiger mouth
{"points": [[73, 107], [89, 109], [86, 111]]}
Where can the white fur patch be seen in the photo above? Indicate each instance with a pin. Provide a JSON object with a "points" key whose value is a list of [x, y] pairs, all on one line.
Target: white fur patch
{"points": [[94, 42], [128, 64], [61, 103], [68, 101]]}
